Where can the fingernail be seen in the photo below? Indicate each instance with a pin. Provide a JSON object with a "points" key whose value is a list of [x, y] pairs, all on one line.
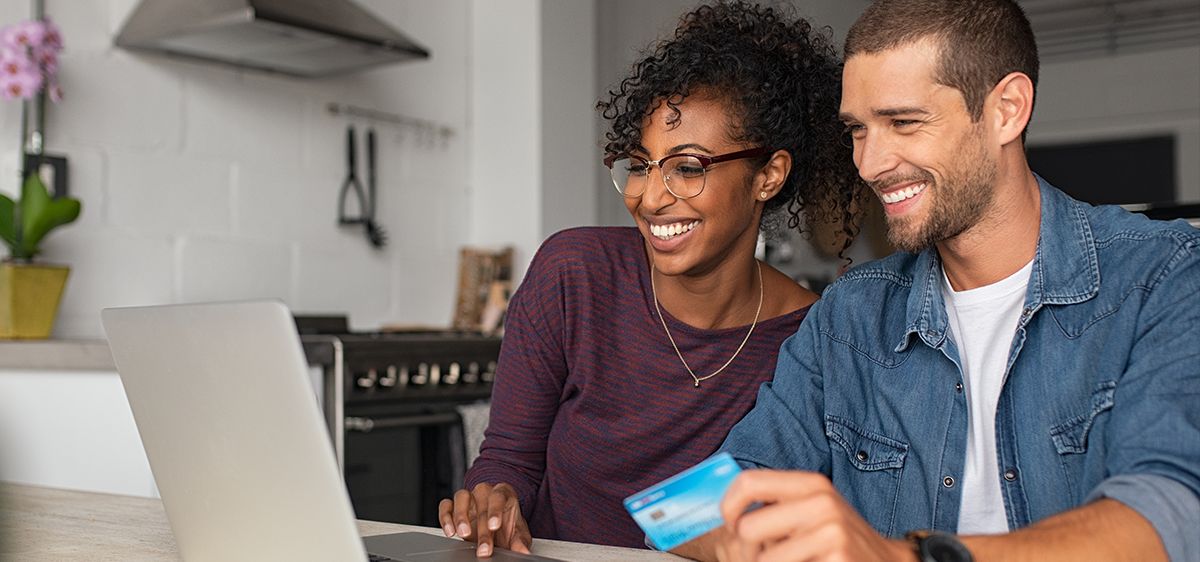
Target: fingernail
{"points": [[449, 530], [494, 523], [484, 549], [464, 530]]}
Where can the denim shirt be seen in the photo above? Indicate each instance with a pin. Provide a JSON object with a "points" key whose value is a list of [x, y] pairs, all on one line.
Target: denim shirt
{"points": [[1101, 398]]}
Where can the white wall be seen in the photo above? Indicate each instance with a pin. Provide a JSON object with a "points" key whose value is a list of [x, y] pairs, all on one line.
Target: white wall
{"points": [[1127, 96], [506, 146], [569, 144], [203, 182]]}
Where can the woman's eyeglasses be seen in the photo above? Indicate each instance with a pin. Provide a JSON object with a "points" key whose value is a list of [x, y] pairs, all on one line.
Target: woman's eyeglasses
{"points": [[683, 174]]}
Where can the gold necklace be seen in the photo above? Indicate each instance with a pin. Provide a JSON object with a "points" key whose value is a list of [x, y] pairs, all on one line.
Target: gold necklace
{"points": [[761, 291]]}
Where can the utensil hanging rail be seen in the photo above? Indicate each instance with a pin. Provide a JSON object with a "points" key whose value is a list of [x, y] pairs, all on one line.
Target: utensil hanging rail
{"points": [[403, 120]]}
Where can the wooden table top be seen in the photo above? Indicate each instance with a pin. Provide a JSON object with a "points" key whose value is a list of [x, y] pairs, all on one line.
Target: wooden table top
{"points": [[48, 524]]}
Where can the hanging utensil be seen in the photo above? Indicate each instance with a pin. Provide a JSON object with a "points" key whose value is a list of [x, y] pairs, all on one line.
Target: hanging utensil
{"points": [[366, 198], [351, 182], [375, 233]]}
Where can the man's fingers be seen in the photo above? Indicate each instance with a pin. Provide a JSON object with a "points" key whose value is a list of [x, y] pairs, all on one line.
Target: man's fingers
{"points": [[796, 518], [766, 487]]}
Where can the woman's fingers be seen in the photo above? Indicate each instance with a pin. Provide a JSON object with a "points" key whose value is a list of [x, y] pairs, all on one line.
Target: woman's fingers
{"points": [[511, 526], [487, 515], [483, 535], [446, 516], [464, 514]]}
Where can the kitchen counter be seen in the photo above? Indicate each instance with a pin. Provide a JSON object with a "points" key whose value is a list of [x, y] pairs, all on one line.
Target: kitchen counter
{"points": [[56, 355], [48, 524]]}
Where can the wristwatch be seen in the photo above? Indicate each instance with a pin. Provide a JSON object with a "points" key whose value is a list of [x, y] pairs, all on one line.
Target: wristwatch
{"points": [[936, 546]]}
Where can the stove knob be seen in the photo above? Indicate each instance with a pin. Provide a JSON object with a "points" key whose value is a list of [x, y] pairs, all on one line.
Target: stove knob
{"points": [[490, 374], [403, 376], [389, 380], [368, 380], [435, 374], [472, 374], [422, 375], [453, 374]]}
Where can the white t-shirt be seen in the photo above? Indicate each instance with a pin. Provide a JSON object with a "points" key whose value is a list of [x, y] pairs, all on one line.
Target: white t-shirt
{"points": [[983, 322]]}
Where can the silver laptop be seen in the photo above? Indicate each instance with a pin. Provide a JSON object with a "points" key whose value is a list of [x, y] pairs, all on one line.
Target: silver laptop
{"points": [[235, 438]]}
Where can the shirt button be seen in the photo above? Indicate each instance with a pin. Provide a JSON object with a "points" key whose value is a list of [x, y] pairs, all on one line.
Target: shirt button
{"points": [[931, 333], [1010, 475], [862, 456], [948, 482], [958, 387], [1026, 312]]}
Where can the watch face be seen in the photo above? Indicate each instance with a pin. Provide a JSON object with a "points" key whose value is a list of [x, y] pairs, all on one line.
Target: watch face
{"points": [[944, 548]]}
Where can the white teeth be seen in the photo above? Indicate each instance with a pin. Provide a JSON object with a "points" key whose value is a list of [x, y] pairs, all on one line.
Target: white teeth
{"points": [[670, 231], [901, 195]]}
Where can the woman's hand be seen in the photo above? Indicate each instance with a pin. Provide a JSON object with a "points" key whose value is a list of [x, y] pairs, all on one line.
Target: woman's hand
{"points": [[488, 515]]}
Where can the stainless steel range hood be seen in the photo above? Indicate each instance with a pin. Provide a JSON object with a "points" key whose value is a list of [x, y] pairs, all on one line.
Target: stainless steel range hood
{"points": [[296, 37]]}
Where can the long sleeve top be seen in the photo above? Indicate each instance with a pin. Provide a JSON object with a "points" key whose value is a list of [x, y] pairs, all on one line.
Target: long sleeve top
{"points": [[591, 402]]}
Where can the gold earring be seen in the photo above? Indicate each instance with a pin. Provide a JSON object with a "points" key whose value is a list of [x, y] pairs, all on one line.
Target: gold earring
{"points": [[763, 194]]}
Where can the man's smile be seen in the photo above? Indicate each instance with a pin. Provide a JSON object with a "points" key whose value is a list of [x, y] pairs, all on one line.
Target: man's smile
{"points": [[892, 197]]}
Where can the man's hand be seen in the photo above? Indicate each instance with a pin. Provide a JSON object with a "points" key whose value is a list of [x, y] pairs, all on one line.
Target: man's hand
{"points": [[717, 545], [488, 515], [802, 518]]}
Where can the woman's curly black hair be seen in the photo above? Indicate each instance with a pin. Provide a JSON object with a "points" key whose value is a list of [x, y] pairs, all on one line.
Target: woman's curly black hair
{"points": [[782, 80]]}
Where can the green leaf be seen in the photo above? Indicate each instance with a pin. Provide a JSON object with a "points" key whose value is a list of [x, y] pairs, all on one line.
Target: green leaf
{"points": [[8, 220], [40, 214]]}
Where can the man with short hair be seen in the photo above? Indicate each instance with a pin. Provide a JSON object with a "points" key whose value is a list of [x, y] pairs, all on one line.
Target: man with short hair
{"points": [[1021, 381]]}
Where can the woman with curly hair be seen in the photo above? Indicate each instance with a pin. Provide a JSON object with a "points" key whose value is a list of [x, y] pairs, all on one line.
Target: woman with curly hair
{"points": [[629, 353]]}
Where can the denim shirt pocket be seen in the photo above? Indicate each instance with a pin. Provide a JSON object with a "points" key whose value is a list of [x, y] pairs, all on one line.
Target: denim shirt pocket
{"points": [[868, 474], [1071, 436]]}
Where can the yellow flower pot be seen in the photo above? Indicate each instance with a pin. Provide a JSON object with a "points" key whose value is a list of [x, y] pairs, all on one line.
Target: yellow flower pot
{"points": [[29, 295]]}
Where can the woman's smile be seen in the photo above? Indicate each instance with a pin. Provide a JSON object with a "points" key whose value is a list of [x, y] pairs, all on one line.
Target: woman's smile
{"points": [[669, 231]]}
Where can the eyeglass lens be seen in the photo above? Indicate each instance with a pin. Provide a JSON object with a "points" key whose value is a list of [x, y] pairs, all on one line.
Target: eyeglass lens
{"points": [[682, 174]]}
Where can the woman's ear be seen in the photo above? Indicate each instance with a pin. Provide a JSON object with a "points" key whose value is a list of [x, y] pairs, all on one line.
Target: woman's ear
{"points": [[771, 177]]}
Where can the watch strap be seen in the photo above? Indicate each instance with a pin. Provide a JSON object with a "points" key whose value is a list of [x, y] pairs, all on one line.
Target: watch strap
{"points": [[936, 546]]}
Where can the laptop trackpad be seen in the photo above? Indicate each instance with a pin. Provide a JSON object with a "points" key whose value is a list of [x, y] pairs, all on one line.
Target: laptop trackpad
{"points": [[424, 547]]}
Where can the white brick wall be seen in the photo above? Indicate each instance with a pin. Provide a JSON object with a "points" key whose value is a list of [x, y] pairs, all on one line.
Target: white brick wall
{"points": [[204, 182]]}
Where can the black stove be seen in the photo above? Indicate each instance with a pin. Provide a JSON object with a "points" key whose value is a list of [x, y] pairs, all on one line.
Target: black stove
{"points": [[392, 404]]}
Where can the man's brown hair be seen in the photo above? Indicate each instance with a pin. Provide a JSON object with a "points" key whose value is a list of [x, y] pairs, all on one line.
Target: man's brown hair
{"points": [[979, 41]]}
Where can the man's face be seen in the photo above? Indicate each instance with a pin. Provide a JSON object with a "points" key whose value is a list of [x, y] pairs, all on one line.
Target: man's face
{"points": [[915, 145]]}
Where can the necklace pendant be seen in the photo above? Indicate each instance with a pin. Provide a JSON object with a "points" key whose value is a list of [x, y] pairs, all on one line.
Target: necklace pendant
{"points": [[697, 384]]}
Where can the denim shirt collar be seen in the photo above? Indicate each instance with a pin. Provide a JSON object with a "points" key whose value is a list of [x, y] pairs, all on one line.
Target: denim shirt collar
{"points": [[1065, 271]]}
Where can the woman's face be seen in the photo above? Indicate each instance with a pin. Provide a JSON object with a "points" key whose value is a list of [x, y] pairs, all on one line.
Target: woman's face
{"points": [[693, 236]]}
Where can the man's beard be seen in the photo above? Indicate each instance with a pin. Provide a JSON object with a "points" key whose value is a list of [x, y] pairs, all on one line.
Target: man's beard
{"points": [[958, 204]]}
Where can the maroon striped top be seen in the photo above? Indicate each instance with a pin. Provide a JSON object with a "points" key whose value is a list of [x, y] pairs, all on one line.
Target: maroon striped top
{"points": [[590, 402]]}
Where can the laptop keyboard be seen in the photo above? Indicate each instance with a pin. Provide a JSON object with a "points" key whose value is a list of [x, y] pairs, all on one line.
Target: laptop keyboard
{"points": [[380, 558]]}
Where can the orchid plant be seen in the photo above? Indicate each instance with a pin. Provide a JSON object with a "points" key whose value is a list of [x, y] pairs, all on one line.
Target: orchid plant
{"points": [[28, 69]]}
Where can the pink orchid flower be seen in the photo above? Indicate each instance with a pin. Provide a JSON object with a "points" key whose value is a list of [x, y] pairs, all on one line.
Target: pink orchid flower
{"points": [[55, 91], [52, 37], [29, 59], [21, 85], [24, 35], [12, 64]]}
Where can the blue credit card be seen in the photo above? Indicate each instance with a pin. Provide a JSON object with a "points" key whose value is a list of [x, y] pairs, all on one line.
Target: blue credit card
{"points": [[686, 505]]}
